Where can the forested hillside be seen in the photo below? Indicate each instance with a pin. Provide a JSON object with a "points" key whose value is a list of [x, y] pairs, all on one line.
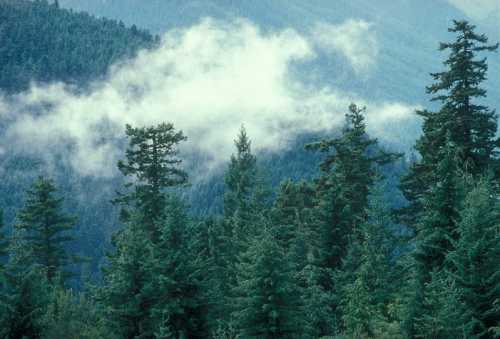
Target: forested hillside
{"points": [[41, 42], [44, 43], [336, 235]]}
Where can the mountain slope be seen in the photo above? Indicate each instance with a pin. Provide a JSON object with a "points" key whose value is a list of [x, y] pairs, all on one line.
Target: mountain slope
{"points": [[40, 42]]}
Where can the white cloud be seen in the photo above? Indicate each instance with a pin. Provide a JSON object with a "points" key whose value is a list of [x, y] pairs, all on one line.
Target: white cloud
{"points": [[354, 39], [207, 80]]}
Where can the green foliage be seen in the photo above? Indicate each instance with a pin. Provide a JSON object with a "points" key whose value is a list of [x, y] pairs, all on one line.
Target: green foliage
{"points": [[445, 314], [438, 222], [73, 316], [23, 292], [127, 290], [151, 161], [461, 119], [368, 271], [474, 263], [46, 229], [342, 189], [4, 243], [179, 307], [267, 304]]}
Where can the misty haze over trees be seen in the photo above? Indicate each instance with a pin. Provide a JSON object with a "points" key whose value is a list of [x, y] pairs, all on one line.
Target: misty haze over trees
{"points": [[334, 234]]}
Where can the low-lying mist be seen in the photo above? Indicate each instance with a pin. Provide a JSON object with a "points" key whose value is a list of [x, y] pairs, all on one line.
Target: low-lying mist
{"points": [[207, 80]]}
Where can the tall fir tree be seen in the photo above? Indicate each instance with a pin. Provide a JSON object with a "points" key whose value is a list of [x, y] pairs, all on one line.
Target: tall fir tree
{"points": [[368, 273], [348, 172], [135, 272], [244, 211], [267, 304], [475, 260], [437, 225], [446, 315], [294, 228], [47, 229], [151, 161], [127, 282], [468, 124], [24, 291], [179, 302]]}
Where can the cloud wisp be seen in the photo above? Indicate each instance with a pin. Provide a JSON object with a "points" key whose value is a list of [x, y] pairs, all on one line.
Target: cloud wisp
{"points": [[354, 39], [207, 80]]}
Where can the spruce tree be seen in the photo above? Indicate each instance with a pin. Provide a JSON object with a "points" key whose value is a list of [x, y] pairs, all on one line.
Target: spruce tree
{"points": [[47, 229], [151, 161], [267, 304], [244, 210], [343, 187], [24, 291], [445, 316], [474, 262], [294, 229], [462, 118], [240, 179], [437, 225], [133, 278], [179, 304], [368, 272], [127, 293]]}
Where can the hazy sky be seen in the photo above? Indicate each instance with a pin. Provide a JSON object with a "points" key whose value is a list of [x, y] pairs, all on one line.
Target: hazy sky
{"points": [[478, 9]]}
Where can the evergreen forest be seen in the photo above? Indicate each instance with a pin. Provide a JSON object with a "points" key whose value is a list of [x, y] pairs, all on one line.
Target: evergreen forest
{"points": [[358, 241]]}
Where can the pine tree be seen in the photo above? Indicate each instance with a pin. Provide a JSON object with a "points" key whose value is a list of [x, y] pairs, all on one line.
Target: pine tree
{"points": [[438, 222], [294, 229], [368, 272], [240, 179], [475, 259], [23, 293], [135, 282], [267, 304], [435, 231], [468, 124], [445, 314], [46, 229], [244, 211], [126, 290], [151, 160], [179, 304], [347, 175]]}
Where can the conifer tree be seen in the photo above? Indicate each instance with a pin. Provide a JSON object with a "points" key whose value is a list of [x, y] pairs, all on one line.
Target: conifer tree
{"points": [[244, 210], [368, 287], [462, 119], [179, 304], [151, 160], [475, 260], [240, 179], [23, 292], [46, 229], [134, 279], [437, 226], [127, 276], [445, 314], [342, 190], [294, 229], [267, 304]]}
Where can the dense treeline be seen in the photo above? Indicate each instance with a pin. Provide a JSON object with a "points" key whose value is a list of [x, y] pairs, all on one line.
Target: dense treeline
{"points": [[326, 257], [42, 42]]}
